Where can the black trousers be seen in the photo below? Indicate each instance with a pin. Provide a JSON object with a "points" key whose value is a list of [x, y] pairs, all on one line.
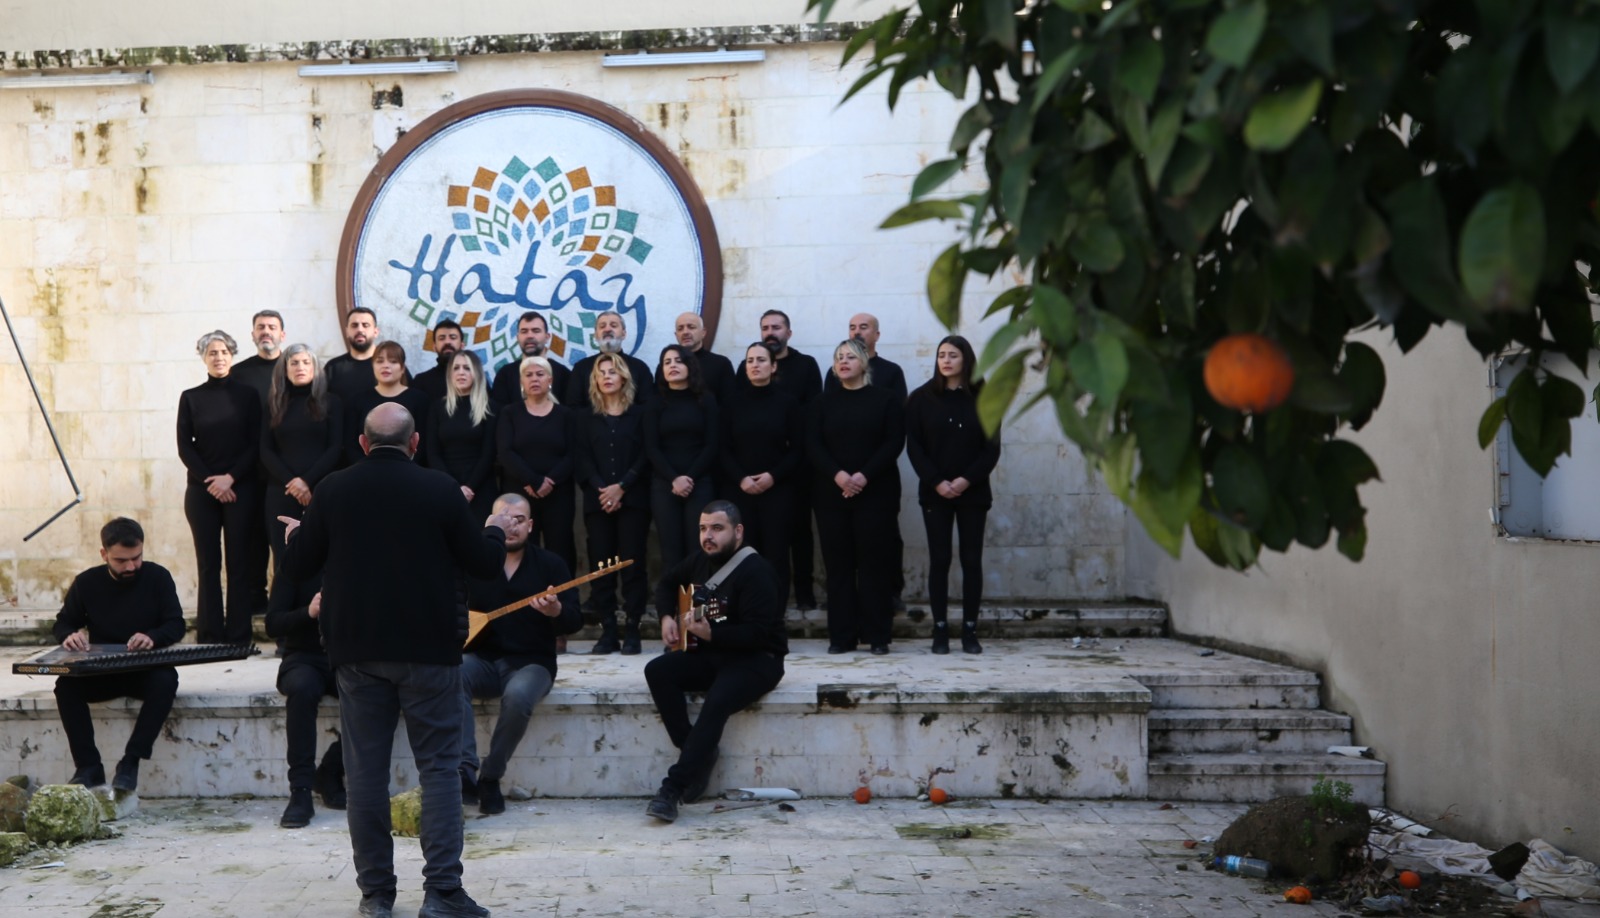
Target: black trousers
{"points": [[237, 533], [969, 519], [304, 679], [800, 545], [155, 687], [731, 682], [276, 504], [858, 549], [553, 519], [678, 518], [768, 527], [626, 535]]}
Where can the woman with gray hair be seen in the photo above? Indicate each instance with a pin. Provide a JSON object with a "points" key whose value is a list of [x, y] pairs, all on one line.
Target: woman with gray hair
{"points": [[219, 441], [300, 437]]}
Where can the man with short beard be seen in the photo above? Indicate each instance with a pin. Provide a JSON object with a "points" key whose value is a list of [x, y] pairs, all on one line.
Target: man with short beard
{"points": [[266, 330], [609, 333], [738, 659], [130, 603], [448, 340], [533, 340], [716, 371], [350, 373]]}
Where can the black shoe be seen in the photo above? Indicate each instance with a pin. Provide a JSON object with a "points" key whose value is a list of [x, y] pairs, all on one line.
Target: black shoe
{"points": [[377, 905], [127, 776], [453, 904], [297, 815], [469, 789], [630, 640], [490, 801], [941, 638], [879, 650], [329, 781], [608, 635], [663, 806], [89, 775], [841, 648], [969, 639], [698, 789], [561, 648], [805, 605], [897, 604]]}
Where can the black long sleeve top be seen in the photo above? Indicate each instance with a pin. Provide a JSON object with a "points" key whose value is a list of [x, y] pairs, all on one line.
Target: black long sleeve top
{"points": [[302, 446], [507, 386], [256, 373], [525, 636], [349, 377], [219, 430], [289, 614], [749, 598], [886, 374], [716, 373], [459, 448], [576, 393], [763, 430], [680, 434], [611, 451], [945, 441], [798, 375], [115, 610], [858, 430], [534, 448], [358, 406]]}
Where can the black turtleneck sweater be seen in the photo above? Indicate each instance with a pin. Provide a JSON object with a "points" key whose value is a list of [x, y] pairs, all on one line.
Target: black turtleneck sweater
{"points": [[256, 372], [798, 375], [456, 446], [858, 430], [716, 373], [302, 446], [525, 636], [680, 434], [945, 441], [115, 610], [358, 406], [219, 430], [348, 377], [763, 430]]}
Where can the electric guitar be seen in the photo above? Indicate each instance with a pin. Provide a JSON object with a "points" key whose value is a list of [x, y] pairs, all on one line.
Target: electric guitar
{"points": [[477, 621], [689, 611]]}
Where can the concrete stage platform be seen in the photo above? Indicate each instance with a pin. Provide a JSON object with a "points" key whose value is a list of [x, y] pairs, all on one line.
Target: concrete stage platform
{"points": [[1033, 718]]}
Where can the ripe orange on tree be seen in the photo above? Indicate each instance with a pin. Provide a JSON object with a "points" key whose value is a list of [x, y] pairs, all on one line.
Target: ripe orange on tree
{"points": [[1248, 372]]}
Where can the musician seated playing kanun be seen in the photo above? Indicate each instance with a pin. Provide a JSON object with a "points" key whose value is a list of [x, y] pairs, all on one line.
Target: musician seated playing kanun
{"points": [[126, 601], [735, 616]]}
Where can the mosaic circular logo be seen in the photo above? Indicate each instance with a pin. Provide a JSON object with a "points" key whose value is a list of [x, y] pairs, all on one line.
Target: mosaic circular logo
{"points": [[529, 200]]}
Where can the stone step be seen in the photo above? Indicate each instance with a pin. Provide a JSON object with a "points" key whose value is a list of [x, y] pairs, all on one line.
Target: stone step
{"points": [[1239, 777], [1265, 686], [1220, 730]]}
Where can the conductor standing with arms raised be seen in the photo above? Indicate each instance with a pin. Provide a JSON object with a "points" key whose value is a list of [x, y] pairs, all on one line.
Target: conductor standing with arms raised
{"points": [[392, 539]]}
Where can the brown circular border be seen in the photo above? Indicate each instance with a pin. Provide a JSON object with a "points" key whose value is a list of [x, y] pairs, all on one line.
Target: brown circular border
{"points": [[705, 229]]}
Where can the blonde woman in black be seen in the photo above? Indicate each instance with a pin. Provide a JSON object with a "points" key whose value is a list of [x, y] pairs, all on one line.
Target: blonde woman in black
{"points": [[614, 474], [459, 439]]}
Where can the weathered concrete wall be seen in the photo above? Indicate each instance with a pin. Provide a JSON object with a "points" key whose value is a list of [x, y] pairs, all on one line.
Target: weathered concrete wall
{"points": [[134, 219], [1466, 660]]}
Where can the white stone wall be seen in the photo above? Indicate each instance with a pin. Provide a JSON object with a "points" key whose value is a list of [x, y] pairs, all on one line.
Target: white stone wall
{"points": [[134, 219]]}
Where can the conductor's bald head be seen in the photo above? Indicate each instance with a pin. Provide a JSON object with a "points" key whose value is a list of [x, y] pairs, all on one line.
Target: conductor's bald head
{"points": [[389, 424]]}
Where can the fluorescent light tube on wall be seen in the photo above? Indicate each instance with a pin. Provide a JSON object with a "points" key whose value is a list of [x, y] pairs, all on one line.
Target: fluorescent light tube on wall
{"points": [[65, 80], [684, 58], [378, 68]]}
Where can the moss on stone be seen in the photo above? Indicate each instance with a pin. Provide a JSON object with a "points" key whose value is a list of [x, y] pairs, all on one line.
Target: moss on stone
{"points": [[62, 813], [13, 808], [405, 813]]}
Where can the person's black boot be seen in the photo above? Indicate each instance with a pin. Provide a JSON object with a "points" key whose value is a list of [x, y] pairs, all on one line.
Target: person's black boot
{"points": [[490, 801], [608, 635], [663, 806], [329, 781], [89, 775], [969, 638], [297, 815], [631, 643], [127, 776], [941, 637]]}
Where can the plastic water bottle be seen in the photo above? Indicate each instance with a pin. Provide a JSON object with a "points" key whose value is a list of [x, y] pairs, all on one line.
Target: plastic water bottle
{"points": [[1242, 866]]}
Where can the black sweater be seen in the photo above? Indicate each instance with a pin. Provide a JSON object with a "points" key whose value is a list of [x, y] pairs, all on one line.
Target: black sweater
{"points": [[219, 430], [507, 386], [459, 448], [763, 430], [534, 448], [716, 373], [525, 636], [115, 610], [749, 596], [257, 374], [858, 430], [680, 434], [349, 377], [289, 614], [945, 441], [611, 451], [359, 405], [302, 446]]}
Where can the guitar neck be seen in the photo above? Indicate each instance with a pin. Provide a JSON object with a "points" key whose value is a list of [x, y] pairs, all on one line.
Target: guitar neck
{"points": [[592, 575]]}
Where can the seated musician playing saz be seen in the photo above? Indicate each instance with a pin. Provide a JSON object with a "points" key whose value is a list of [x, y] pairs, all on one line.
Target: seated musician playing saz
{"points": [[131, 602], [736, 620]]}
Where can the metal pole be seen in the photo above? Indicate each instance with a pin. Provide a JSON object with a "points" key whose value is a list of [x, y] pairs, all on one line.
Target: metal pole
{"points": [[61, 454]]}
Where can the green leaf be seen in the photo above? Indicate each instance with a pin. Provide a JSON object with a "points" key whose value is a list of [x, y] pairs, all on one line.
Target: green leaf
{"points": [[999, 388], [934, 175], [973, 121], [1165, 433], [1489, 424], [1203, 528], [1234, 35], [1502, 247], [1310, 33], [1092, 132], [1016, 296], [1419, 256], [1570, 47], [1097, 247], [945, 280], [1240, 485], [1100, 366], [1116, 466], [1057, 70], [1562, 397], [1524, 407], [1363, 376], [1276, 120], [1055, 316], [1304, 494], [1164, 506], [1177, 294], [1000, 23], [1138, 68], [923, 210], [1163, 137], [1001, 342], [1353, 541], [1345, 462]]}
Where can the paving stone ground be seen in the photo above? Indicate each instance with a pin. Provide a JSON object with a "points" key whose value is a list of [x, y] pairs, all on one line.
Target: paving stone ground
{"points": [[591, 858]]}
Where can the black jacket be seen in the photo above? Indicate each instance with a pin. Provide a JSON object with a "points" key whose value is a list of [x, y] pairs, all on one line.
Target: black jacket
{"points": [[945, 441], [289, 615], [392, 540], [750, 600]]}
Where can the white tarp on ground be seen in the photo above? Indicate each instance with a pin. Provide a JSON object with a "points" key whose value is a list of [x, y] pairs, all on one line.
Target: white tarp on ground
{"points": [[1551, 873]]}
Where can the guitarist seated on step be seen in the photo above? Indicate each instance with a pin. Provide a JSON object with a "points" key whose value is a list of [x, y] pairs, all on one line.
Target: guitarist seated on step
{"points": [[736, 615], [514, 658]]}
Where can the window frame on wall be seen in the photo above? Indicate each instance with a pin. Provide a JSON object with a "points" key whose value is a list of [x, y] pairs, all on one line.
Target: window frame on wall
{"points": [[1564, 506]]}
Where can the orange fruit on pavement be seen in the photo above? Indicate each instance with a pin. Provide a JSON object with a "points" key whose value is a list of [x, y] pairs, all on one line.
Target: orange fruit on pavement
{"points": [[1248, 372], [1410, 879], [938, 795], [1299, 895], [863, 795]]}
